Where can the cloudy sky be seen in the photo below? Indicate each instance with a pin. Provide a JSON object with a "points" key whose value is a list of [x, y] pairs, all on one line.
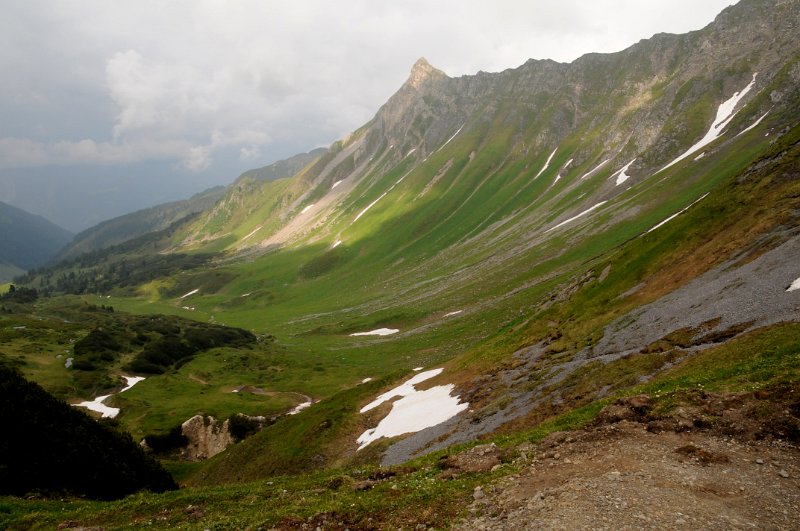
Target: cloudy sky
{"points": [[205, 89]]}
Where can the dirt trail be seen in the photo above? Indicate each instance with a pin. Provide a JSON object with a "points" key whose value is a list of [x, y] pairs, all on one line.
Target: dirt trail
{"points": [[621, 476]]}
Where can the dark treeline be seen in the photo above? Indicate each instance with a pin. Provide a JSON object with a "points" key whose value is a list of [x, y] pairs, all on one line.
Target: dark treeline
{"points": [[86, 275], [133, 262], [51, 448]]}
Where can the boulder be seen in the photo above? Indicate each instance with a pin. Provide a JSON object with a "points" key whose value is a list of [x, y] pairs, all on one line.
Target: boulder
{"points": [[480, 458], [207, 437]]}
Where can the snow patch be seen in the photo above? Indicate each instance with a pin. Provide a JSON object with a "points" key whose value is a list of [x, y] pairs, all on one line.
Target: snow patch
{"points": [[573, 218], [190, 293], [547, 163], [415, 410], [404, 389], [676, 214], [108, 411], [795, 285], [452, 137], [558, 177], [336, 244], [621, 175], [410, 152], [724, 114], [417, 369], [369, 206], [378, 332], [453, 313], [591, 172], [300, 407], [366, 380], [754, 124], [306, 209], [337, 183], [253, 232]]}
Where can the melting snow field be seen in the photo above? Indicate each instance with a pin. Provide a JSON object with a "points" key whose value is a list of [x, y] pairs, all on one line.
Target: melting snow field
{"points": [[378, 332], [451, 138], [190, 293], [370, 206], [547, 163], [252, 232], [107, 411], [795, 285], [724, 114], [573, 218], [591, 172], [754, 124], [558, 177], [676, 214], [621, 175], [300, 407], [415, 410]]}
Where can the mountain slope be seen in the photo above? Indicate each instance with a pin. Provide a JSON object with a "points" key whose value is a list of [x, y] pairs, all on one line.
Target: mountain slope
{"points": [[643, 106], [283, 168], [549, 235], [27, 240], [521, 219], [121, 229]]}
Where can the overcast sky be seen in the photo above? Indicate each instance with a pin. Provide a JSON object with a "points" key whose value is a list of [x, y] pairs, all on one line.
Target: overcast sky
{"points": [[212, 88]]}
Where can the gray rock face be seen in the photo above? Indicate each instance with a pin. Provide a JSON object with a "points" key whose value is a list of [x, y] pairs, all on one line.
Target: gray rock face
{"points": [[753, 294], [207, 437]]}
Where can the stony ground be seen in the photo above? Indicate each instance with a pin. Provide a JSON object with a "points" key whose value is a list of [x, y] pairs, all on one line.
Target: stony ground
{"points": [[632, 475]]}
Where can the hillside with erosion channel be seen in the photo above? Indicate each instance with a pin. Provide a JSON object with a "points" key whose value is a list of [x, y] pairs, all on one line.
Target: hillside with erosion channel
{"points": [[565, 295]]}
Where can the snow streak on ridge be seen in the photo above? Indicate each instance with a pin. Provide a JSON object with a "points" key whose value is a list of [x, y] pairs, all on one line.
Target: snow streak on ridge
{"points": [[573, 218], [724, 114], [547, 163]]}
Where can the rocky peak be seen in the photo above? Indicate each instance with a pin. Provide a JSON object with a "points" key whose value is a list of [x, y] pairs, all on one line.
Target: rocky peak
{"points": [[421, 71]]}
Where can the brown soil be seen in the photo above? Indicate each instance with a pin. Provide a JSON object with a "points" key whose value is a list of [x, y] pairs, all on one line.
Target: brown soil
{"points": [[637, 470]]}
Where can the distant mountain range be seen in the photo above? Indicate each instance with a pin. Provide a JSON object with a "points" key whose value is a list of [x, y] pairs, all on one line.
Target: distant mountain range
{"points": [[123, 228], [27, 241]]}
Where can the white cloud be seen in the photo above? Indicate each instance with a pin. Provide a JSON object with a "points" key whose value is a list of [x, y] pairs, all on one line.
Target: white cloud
{"points": [[198, 158], [119, 82]]}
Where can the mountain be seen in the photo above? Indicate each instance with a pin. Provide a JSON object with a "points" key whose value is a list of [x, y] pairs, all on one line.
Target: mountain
{"points": [[26, 241], [608, 246], [638, 109], [283, 168], [121, 229], [512, 220]]}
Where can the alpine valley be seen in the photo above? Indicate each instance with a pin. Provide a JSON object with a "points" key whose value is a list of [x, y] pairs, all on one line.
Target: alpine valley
{"points": [[557, 296]]}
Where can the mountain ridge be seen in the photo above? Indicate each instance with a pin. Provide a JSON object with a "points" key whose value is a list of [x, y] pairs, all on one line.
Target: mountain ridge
{"points": [[27, 240], [652, 136]]}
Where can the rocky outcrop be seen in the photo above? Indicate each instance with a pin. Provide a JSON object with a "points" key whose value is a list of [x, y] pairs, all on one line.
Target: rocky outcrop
{"points": [[207, 437]]}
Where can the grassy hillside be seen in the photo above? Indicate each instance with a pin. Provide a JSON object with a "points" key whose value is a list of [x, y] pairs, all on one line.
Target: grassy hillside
{"points": [[761, 363]]}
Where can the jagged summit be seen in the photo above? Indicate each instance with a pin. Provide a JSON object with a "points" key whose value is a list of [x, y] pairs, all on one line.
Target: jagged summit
{"points": [[421, 71]]}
